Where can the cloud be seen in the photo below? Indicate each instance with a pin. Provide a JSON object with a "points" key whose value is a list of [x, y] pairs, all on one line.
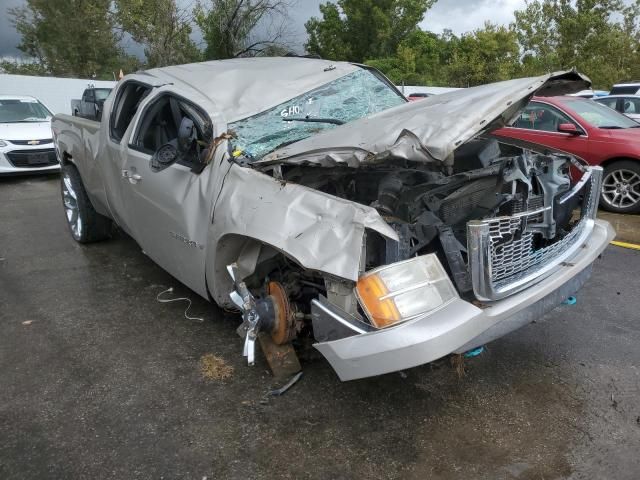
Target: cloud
{"points": [[9, 38], [463, 16]]}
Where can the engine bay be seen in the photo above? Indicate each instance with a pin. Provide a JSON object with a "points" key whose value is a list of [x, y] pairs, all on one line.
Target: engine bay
{"points": [[429, 206]]}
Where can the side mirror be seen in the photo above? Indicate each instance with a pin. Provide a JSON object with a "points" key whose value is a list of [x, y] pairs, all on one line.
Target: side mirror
{"points": [[164, 157], [569, 128]]}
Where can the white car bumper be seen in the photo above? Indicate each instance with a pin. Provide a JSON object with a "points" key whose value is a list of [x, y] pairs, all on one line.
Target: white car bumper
{"points": [[26, 159]]}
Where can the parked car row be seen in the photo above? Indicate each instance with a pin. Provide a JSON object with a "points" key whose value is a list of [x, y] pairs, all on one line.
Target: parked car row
{"points": [[571, 123]]}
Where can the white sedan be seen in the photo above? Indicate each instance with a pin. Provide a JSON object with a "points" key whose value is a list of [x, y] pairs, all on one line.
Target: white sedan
{"points": [[26, 144], [628, 105]]}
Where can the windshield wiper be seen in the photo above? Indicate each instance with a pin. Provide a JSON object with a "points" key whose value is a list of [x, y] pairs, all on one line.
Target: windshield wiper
{"points": [[334, 121]]}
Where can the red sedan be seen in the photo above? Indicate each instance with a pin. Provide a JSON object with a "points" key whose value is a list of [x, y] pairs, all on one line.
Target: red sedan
{"points": [[594, 132]]}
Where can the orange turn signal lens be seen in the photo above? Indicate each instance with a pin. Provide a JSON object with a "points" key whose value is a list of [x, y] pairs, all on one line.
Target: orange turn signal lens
{"points": [[382, 312]]}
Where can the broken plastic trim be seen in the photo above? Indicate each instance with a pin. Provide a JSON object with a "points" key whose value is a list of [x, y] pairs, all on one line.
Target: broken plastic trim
{"points": [[257, 315]]}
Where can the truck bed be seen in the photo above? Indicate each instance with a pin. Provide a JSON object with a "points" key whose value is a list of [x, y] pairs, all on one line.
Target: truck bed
{"points": [[78, 142]]}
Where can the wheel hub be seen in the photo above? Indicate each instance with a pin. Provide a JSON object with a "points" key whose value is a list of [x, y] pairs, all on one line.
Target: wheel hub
{"points": [[284, 326], [70, 203], [621, 188]]}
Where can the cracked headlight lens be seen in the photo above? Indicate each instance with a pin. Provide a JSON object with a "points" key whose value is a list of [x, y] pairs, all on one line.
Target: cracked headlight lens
{"points": [[399, 292]]}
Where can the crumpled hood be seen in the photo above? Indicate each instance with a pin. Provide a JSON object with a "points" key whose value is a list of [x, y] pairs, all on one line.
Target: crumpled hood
{"points": [[428, 130]]}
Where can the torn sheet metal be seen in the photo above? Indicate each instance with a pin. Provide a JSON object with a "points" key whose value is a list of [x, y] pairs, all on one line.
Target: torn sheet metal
{"points": [[317, 230], [425, 131]]}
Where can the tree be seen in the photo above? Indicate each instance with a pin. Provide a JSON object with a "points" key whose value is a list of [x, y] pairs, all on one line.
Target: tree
{"points": [[483, 56], [17, 67], [161, 28], [360, 30], [239, 28], [327, 36], [73, 38], [490, 54], [599, 37]]}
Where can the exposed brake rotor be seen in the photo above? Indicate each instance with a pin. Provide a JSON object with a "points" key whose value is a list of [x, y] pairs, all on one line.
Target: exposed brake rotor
{"points": [[284, 328]]}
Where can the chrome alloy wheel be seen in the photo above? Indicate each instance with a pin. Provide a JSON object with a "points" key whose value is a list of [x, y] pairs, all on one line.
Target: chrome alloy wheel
{"points": [[621, 188], [70, 202]]}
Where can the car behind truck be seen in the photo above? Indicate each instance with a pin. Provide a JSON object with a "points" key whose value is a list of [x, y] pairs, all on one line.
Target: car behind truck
{"points": [[311, 197], [91, 104]]}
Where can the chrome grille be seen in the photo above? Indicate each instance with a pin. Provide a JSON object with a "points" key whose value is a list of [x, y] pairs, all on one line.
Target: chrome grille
{"points": [[503, 256], [519, 256]]}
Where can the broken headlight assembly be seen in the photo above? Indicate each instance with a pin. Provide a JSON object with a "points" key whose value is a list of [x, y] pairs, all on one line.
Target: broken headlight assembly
{"points": [[405, 290]]}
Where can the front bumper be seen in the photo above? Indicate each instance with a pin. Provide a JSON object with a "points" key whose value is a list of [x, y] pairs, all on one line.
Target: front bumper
{"points": [[7, 167], [460, 326]]}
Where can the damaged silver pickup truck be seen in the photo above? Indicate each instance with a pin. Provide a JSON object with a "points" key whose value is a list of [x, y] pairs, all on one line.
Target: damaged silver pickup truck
{"points": [[312, 197]]}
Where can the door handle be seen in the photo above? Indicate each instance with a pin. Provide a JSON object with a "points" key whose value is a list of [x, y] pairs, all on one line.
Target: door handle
{"points": [[131, 176]]}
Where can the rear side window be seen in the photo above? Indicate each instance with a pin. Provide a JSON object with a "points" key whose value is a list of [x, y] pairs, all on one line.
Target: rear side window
{"points": [[125, 107], [609, 102], [631, 105]]}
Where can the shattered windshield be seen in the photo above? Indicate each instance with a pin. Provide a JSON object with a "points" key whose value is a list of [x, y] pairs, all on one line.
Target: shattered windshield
{"points": [[353, 96]]}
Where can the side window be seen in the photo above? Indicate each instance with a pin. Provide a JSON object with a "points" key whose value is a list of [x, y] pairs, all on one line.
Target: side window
{"points": [[537, 116], [124, 108], [631, 105], [160, 125], [609, 102]]}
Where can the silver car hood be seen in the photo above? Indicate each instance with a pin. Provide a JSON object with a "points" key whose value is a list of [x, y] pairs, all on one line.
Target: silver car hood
{"points": [[427, 130]]}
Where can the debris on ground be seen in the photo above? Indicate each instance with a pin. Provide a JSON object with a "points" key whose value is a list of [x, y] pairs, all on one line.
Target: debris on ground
{"points": [[570, 301], [280, 391], [457, 362], [474, 353], [27, 322], [215, 368], [177, 299]]}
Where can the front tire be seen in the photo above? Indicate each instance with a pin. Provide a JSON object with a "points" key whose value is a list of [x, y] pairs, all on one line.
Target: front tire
{"points": [[621, 187], [85, 224]]}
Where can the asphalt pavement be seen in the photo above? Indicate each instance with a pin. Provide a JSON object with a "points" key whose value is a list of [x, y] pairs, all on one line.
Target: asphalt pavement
{"points": [[100, 380]]}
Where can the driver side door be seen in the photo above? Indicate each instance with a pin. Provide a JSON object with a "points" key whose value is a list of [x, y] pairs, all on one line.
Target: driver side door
{"points": [[168, 206]]}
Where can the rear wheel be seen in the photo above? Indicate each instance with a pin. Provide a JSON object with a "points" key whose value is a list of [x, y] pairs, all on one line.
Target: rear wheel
{"points": [[85, 224], [621, 187]]}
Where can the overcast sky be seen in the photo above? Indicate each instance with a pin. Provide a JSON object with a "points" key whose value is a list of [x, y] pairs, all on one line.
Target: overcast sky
{"points": [[458, 15]]}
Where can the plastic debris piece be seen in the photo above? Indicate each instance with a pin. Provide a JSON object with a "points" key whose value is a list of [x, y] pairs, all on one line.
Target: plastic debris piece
{"points": [[474, 353], [570, 301], [279, 391]]}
